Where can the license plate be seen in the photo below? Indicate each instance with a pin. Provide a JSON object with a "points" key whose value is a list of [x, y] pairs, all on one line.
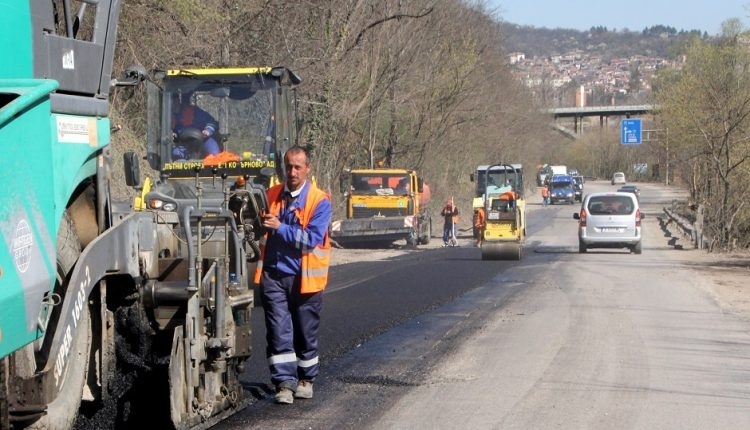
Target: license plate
{"points": [[611, 230]]}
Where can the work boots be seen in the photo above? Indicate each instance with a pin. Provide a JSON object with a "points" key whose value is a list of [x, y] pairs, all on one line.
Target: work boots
{"points": [[304, 390]]}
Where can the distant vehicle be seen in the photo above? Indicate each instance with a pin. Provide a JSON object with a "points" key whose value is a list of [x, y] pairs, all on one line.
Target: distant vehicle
{"points": [[609, 220], [618, 178], [561, 189], [631, 189], [578, 187], [543, 174], [559, 170]]}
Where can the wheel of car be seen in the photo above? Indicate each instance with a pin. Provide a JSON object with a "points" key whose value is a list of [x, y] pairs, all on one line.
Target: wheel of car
{"points": [[637, 248], [581, 247]]}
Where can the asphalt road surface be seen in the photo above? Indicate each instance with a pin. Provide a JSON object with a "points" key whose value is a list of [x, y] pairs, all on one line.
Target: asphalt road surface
{"points": [[437, 338]]}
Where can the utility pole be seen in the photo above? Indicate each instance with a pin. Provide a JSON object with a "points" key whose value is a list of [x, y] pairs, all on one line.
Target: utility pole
{"points": [[657, 139], [666, 141]]}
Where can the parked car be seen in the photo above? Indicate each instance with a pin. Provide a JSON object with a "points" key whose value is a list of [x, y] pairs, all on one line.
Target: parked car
{"points": [[609, 220], [631, 189], [578, 187], [618, 178]]}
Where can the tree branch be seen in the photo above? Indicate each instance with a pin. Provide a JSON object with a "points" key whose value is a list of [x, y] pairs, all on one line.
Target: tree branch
{"points": [[374, 24]]}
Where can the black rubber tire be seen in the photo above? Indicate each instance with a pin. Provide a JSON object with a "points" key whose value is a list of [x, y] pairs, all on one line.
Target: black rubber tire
{"points": [[637, 248], [425, 238], [63, 410], [581, 247], [411, 242]]}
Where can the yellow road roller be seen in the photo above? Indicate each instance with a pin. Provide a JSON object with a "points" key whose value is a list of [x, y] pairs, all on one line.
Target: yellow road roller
{"points": [[499, 189]]}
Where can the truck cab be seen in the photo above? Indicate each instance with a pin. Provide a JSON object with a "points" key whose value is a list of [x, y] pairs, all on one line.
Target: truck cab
{"points": [[383, 205]]}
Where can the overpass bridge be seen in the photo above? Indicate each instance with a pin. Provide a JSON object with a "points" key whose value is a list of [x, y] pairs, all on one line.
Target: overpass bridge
{"points": [[603, 112]]}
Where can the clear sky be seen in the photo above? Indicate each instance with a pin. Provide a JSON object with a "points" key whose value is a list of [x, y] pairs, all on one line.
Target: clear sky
{"points": [[635, 15]]}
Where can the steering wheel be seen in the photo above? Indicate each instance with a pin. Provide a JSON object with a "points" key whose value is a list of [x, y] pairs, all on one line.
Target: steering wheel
{"points": [[191, 138]]}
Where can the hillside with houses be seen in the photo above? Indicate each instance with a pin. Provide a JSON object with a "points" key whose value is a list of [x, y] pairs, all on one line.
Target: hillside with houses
{"points": [[565, 68]]}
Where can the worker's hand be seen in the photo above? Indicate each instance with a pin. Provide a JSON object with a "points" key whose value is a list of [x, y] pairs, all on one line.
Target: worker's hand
{"points": [[180, 152], [271, 221]]}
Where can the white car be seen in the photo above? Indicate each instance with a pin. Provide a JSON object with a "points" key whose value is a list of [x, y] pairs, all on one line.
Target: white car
{"points": [[609, 220], [618, 178]]}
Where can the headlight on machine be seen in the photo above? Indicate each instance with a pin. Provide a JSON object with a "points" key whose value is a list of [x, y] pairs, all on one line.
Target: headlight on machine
{"points": [[158, 201], [158, 204]]}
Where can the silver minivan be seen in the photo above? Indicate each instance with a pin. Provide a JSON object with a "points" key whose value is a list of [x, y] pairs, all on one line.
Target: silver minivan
{"points": [[609, 220]]}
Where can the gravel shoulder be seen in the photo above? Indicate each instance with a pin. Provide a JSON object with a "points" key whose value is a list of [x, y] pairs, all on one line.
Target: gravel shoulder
{"points": [[727, 276]]}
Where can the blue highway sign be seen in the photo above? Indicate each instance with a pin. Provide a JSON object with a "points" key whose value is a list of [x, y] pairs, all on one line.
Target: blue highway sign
{"points": [[630, 132]]}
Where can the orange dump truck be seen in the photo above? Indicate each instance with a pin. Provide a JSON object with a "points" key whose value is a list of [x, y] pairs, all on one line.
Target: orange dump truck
{"points": [[383, 206]]}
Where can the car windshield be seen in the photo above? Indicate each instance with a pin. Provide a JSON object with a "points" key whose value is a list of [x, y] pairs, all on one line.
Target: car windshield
{"points": [[610, 205]]}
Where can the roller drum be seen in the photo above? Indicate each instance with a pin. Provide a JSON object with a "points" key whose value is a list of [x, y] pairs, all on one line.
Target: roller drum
{"points": [[501, 251]]}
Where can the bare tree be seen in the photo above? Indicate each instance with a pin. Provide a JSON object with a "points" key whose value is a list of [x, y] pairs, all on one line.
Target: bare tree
{"points": [[422, 84], [708, 106]]}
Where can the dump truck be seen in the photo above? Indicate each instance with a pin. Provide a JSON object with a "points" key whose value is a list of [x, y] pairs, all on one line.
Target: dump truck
{"points": [[383, 205], [499, 189], [101, 297]]}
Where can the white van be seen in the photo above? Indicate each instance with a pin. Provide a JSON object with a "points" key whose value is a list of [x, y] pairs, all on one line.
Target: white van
{"points": [[618, 178], [609, 220]]}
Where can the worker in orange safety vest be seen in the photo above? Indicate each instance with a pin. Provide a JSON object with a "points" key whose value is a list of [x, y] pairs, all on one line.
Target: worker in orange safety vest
{"points": [[295, 253], [480, 221]]}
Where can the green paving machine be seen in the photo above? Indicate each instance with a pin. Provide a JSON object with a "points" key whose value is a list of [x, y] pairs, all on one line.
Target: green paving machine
{"points": [[100, 297]]}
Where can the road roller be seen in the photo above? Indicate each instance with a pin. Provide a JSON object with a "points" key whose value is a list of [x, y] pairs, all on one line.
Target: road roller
{"points": [[499, 189]]}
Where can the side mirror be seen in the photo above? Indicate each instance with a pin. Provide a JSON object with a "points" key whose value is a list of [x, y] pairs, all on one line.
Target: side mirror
{"points": [[343, 184], [132, 169], [131, 77]]}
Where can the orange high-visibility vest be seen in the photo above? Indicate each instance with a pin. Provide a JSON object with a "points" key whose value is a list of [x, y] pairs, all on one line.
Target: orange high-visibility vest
{"points": [[185, 117], [315, 261], [480, 218]]}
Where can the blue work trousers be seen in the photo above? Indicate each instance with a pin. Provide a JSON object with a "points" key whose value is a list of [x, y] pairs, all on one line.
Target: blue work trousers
{"points": [[449, 232], [292, 325]]}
